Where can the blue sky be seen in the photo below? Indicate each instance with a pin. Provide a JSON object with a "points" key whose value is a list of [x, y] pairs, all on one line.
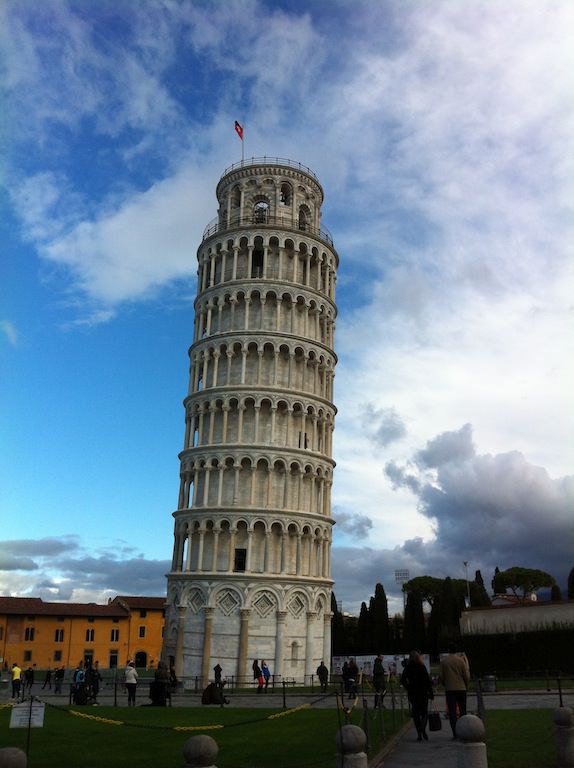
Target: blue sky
{"points": [[442, 133]]}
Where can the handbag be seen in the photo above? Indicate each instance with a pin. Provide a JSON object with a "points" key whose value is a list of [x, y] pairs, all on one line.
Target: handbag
{"points": [[435, 723]]}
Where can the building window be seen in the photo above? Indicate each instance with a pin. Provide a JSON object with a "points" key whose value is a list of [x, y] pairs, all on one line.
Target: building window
{"points": [[115, 635], [143, 613], [29, 634], [57, 655], [115, 621], [163, 631], [90, 619], [142, 632], [30, 618], [1, 633], [59, 636], [113, 660], [60, 618], [27, 655], [240, 560], [90, 635]]}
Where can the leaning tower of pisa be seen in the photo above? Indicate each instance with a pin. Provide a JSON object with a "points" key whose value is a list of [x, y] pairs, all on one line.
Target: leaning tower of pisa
{"points": [[250, 576]]}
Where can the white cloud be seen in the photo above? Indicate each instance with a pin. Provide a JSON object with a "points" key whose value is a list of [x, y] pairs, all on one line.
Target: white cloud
{"points": [[10, 332]]}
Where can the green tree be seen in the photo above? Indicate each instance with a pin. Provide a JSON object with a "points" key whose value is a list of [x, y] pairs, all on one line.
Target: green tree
{"points": [[415, 631], [555, 593], [379, 621], [524, 580], [571, 585]]}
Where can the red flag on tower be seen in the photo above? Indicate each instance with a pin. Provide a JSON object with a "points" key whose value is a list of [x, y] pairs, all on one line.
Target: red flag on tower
{"points": [[239, 129]]}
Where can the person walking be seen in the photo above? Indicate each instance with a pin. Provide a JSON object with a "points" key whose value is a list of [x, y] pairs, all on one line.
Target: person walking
{"points": [[379, 683], [131, 678], [48, 679], [416, 679], [323, 675], [454, 674]]}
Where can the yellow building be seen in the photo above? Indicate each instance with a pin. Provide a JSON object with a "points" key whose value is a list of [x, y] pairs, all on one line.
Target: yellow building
{"points": [[44, 634]]}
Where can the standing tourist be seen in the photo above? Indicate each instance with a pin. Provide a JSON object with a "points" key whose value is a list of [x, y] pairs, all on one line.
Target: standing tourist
{"points": [[131, 677], [266, 673], [16, 681], [323, 675]]}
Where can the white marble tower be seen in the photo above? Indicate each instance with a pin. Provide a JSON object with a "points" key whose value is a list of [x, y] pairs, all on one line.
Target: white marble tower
{"points": [[251, 575]]}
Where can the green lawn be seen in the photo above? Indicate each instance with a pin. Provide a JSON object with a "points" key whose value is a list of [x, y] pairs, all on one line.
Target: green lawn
{"points": [[520, 738], [147, 739]]}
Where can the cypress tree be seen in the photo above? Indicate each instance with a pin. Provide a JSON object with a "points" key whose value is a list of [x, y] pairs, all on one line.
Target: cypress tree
{"points": [[415, 632], [571, 585], [379, 621], [363, 630]]}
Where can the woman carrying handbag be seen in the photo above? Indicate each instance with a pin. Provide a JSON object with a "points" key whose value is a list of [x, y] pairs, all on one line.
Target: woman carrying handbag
{"points": [[417, 681]]}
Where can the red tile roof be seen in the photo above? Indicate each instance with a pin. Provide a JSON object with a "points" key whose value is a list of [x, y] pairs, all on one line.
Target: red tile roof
{"points": [[137, 602], [29, 606]]}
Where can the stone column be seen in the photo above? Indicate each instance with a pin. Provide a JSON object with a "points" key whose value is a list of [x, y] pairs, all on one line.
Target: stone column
{"points": [[472, 749], [351, 743], [327, 637], [563, 736], [207, 632], [179, 645], [311, 616], [279, 642], [243, 642]]}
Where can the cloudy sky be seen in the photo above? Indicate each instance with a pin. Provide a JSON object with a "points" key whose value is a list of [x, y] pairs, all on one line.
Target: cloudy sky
{"points": [[442, 133]]}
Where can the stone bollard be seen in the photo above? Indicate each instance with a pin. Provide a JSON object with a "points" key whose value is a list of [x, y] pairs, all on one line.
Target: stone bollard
{"points": [[564, 736], [12, 757], [472, 749], [200, 752], [351, 742]]}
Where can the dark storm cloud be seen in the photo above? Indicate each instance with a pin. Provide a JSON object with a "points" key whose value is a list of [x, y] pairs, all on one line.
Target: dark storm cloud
{"points": [[354, 523], [48, 547], [383, 425], [490, 510]]}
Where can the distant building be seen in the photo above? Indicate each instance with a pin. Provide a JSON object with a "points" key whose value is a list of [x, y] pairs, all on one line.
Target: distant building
{"points": [[517, 616], [61, 634]]}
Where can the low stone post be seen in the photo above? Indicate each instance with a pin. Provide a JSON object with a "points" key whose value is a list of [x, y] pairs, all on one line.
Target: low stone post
{"points": [[12, 757], [200, 752], [564, 736], [472, 749], [351, 741]]}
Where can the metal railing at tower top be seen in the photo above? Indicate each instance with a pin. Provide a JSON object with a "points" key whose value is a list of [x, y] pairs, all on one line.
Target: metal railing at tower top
{"points": [[270, 161], [256, 220]]}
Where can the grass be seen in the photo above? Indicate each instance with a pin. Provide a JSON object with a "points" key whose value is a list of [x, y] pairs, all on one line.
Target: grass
{"points": [[520, 738], [249, 739]]}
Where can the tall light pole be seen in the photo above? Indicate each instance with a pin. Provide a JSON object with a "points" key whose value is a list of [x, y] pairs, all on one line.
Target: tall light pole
{"points": [[465, 563]]}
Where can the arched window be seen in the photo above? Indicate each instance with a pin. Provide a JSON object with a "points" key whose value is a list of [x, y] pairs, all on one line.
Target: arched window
{"points": [[286, 194], [261, 212]]}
